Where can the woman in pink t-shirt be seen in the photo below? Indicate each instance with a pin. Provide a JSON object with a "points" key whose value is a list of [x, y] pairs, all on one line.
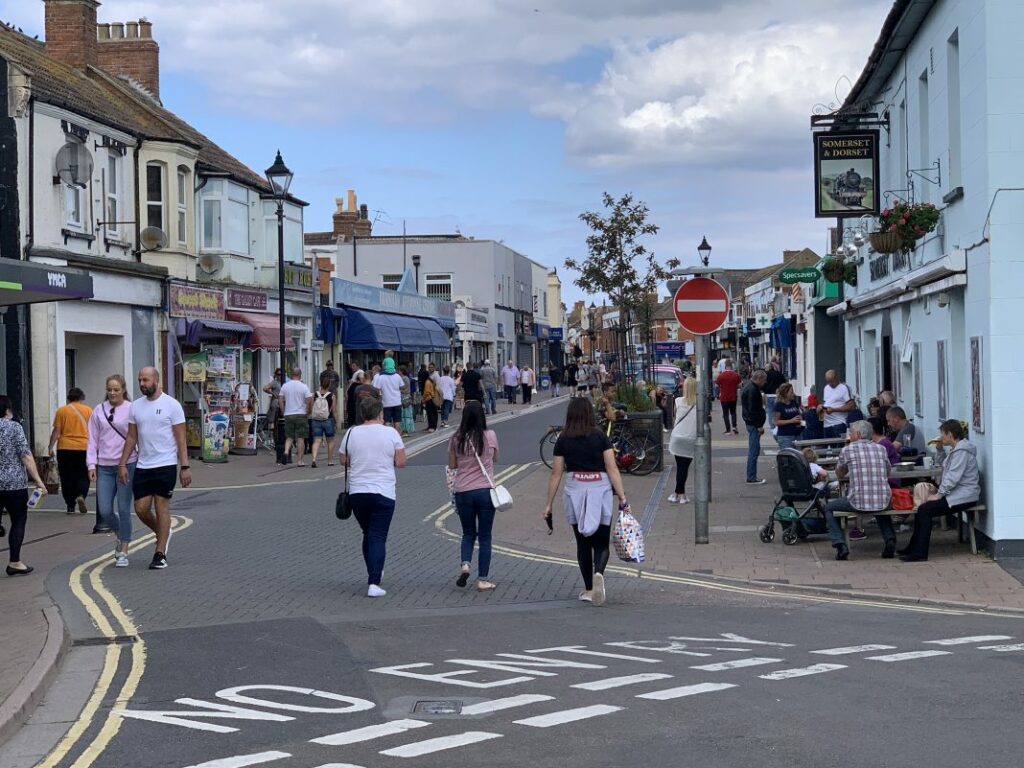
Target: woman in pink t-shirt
{"points": [[472, 452]]}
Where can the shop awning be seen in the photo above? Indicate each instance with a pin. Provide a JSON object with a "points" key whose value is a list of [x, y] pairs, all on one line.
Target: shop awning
{"points": [[204, 330], [381, 330], [25, 282], [265, 330], [331, 328]]}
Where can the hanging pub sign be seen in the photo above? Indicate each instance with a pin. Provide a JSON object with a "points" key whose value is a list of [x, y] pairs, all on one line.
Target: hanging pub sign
{"points": [[846, 174]]}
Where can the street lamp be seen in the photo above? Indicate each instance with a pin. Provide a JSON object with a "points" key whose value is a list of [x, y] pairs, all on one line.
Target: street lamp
{"points": [[280, 179], [704, 251], [416, 258], [591, 334]]}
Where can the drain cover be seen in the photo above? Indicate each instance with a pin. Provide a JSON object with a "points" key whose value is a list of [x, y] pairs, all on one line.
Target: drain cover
{"points": [[437, 707]]}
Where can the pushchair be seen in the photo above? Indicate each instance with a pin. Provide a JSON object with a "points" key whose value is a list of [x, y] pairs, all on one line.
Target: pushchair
{"points": [[797, 490]]}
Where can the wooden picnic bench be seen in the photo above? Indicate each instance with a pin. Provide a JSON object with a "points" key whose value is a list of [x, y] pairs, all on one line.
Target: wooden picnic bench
{"points": [[970, 514]]}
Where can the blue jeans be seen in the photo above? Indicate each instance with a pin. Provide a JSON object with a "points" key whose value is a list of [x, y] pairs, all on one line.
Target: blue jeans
{"points": [[785, 441], [753, 451], [373, 512], [476, 512], [109, 490], [490, 400], [836, 431], [446, 411], [842, 504]]}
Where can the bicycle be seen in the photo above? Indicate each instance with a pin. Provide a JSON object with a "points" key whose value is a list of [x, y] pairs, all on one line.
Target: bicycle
{"points": [[633, 455], [264, 433]]}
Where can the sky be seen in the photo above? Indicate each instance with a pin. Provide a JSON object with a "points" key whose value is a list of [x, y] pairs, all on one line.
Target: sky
{"points": [[505, 119]]}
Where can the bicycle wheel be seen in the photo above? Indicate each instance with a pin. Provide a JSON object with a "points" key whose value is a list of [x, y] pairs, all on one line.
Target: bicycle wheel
{"points": [[547, 446], [648, 455]]}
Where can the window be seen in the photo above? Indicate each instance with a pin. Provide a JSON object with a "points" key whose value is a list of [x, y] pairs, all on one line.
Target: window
{"points": [[225, 216], [390, 282], [73, 204], [953, 109], [155, 195], [544, 297], [439, 287], [211, 223], [923, 128], [113, 209], [184, 189]]}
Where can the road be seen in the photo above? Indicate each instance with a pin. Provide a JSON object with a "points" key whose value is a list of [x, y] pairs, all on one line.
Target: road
{"points": [[258, 647]]}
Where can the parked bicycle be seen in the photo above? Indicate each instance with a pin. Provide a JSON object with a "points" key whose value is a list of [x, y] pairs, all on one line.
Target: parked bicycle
{"points": [[635, 454]]}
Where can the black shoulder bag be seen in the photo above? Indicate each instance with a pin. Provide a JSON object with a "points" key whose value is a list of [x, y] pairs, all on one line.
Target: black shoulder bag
{"points": [[342, 506]]}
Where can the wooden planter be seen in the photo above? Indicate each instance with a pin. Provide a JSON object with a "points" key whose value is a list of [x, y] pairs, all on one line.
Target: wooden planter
{"points": [[886, 242]]}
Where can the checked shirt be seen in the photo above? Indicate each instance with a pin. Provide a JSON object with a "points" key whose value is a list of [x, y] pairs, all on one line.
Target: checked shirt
{"points": [[868, 464]]}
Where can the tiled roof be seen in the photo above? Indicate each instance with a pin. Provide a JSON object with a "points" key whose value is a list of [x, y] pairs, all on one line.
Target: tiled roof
{"points": [[113, 101], [319, 238]]}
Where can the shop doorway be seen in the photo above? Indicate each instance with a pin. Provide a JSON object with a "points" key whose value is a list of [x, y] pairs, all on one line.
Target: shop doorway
{"points": [[89, 359]]}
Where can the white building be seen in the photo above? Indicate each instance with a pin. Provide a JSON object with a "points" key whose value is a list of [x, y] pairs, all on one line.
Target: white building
{"points": [[941, 326]]}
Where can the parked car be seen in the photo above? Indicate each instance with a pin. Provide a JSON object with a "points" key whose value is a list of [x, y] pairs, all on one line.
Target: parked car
{"points": [[670, 378]]}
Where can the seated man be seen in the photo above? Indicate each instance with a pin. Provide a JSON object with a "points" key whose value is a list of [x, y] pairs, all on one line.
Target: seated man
{"points": [[866, 465], [906, 437]]}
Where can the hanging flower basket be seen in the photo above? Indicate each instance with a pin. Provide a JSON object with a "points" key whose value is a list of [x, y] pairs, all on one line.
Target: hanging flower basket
{"points": [[886, 242], [909, 222], [850, 273], [833, 269]]}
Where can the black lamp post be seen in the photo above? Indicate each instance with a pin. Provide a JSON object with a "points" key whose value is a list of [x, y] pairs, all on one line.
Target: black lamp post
{"points": [[416, 258], [704, 251], [280, 179]]}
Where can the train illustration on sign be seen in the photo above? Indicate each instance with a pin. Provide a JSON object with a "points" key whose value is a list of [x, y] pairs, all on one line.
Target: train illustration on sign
{"points": [[848, 189]]}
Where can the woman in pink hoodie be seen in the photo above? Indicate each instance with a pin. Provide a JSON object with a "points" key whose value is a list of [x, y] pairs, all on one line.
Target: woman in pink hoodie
{"points": [[108, 428]]}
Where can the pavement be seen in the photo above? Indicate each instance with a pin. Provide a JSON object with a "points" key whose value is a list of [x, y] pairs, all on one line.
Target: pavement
{"points": [[263, 612]]}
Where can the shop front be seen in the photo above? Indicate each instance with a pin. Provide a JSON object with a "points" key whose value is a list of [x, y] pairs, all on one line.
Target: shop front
{"points": [[475, 334]]}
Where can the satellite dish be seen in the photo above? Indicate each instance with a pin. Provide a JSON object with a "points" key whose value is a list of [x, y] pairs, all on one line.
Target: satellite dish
{"points": [[74, 164], [153, 238], [210, 263]]}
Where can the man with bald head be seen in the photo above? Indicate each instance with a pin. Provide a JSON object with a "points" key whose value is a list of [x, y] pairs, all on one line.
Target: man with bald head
{"points": [[156, 424], [837, 402]]}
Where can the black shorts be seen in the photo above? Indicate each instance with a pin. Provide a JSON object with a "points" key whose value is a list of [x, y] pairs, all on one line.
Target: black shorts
{"points": [[157, 481]]}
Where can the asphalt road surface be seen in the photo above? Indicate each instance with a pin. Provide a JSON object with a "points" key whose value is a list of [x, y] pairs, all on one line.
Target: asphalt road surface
{"points": [[258, 647]]}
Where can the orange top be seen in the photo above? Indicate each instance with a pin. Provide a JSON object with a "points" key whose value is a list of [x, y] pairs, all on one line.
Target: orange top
{"points": [[72, 420]]}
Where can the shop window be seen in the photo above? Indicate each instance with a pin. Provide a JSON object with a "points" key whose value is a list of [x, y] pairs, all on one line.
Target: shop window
{"points": [[155, 195], [439, 287], [390, 282]]}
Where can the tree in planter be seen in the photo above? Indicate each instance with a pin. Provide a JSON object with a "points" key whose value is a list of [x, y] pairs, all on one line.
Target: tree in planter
{"points": [[618, 264]]}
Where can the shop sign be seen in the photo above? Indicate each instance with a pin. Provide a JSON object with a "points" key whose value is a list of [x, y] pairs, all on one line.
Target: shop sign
{"points": [[298, 276], [359, 296], [846, 174], [879, 266], [542, 332], [197, 303], [792, 275], [194, 367], [669, 348], [555, 334], [247, 301], [479, 318], [762, 321]]}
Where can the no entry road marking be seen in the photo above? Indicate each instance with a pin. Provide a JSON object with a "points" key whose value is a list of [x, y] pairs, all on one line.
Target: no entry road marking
{"points": [[580, 649], [909, 656], [497, 705], [1003, 648], [722, 666], [619, 682], [369, 733], [814, 669], [854, 649], [430, 746], [568, 716], [685, 690], [241, 761], [968, 640]]}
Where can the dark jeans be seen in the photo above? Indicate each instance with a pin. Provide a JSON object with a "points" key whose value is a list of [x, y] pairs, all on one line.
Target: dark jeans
{"points": [[527, 393], [431, 414], [446, 410], [373, 512], [510, 394], [592, 552], [15, 503], [836, 431], [682, 472], [753, 450], [476, 512], [729, 415], [843, 504], [921, 538], [74, 475]]}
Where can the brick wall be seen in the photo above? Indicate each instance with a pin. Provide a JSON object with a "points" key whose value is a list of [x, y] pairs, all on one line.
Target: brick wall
{"points": [[129, 50], [71, 31]]}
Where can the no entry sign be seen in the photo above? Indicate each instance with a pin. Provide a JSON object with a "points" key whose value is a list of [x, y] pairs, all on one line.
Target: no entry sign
{"points": [[701, 305]]}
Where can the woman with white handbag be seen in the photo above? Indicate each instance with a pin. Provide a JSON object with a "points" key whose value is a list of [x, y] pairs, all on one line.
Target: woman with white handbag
{"points": [[472, 452], [585, 454]]}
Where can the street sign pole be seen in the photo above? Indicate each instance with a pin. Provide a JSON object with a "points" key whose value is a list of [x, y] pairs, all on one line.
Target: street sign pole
{"points": [[702, 451]]}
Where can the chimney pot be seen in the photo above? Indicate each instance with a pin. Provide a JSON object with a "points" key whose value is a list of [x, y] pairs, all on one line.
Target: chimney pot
{"points": [[103, 31], [352, 200], [133, 30], [117, 31], [339, 203], [145, 29]]}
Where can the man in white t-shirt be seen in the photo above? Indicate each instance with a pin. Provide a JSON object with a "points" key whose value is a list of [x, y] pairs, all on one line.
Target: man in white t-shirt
{"points": [[837, 402], [156, 424], [296, 400], [372, 451], [389, 382], [447, 386]]}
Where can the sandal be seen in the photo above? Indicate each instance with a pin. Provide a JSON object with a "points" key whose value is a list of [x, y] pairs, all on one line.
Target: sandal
{"points": [[482, 585]]}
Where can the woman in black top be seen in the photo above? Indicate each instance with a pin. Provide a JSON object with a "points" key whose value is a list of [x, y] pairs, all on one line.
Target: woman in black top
{"points": [[787, 417], [586, 453]]}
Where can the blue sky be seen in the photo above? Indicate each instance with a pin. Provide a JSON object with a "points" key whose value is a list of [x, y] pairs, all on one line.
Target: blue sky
{"points": [[505, 119]]}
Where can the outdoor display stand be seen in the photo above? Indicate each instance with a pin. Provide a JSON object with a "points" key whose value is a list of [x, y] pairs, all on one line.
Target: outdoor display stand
{"points": [[243, 419], [215, 370]]}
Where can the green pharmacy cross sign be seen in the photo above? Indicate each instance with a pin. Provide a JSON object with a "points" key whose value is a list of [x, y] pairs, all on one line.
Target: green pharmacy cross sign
{"points": [[799, 275]]}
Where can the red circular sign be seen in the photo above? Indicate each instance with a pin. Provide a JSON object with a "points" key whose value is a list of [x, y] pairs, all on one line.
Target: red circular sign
{"points": [[701, 305]]}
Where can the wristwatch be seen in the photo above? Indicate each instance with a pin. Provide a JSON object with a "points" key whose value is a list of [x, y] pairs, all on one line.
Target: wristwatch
{"points": [[184, 467]]}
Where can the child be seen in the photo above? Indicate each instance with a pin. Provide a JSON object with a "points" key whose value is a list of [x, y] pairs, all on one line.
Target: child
{"points": [[818, 475]]}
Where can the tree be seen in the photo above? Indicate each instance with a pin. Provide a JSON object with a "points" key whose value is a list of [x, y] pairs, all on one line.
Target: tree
{"points": [[618, 264]]}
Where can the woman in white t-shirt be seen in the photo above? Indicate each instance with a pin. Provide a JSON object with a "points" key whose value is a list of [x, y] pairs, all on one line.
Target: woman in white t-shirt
{"points": [[372, 451]]}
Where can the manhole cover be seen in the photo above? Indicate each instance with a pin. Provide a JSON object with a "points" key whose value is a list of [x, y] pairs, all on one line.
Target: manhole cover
{"points": [[437, 707]]}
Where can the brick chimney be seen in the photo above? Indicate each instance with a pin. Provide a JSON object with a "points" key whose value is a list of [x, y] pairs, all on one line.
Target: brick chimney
{"points": [[129, 50], [352, 221], [71, 31]]}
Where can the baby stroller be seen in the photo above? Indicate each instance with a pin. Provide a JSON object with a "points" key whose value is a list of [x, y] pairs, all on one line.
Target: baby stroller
{"points": [[797, 490]]}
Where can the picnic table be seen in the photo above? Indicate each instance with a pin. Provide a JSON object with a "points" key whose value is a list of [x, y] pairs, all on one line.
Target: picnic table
{"points": [[916, 473], [821, 441]]}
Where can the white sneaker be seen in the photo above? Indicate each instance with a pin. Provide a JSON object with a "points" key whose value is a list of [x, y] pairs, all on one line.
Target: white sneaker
{"points": [[586, 598], [375, 591], [598, 592], [120, 560], [683, 500], [673, 498]]}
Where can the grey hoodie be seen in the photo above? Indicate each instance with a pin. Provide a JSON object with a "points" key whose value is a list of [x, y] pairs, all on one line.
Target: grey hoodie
{"points": [[961, 483]]}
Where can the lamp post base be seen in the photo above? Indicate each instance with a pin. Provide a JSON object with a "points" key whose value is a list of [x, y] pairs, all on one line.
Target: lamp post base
{"points": [[279, 440]]}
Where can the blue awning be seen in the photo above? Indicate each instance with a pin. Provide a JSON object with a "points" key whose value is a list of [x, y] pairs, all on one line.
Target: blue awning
{"points": [[381, 330], [331, 328], [206, 330]]}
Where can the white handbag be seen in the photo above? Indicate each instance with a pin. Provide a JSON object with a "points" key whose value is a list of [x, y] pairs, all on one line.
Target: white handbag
{"points": [[500, 497]]}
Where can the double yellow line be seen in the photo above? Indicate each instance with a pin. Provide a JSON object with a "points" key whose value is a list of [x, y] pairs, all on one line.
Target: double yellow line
{"points": [[111, 621]]}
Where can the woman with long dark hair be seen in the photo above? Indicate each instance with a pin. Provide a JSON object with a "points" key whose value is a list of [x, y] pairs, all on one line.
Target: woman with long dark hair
{"points": [[585, 453], [472, 452], [16, 467]]}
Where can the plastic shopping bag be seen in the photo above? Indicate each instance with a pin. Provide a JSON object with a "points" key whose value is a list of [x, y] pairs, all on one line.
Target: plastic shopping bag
{"points": [[627, 537]]}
